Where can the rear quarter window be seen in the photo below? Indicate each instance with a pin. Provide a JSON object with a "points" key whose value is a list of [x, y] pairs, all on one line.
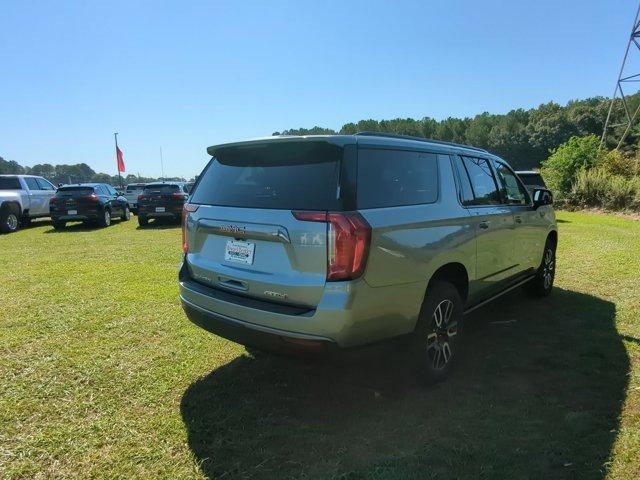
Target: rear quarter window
{"points": [[10, 183], [391, 178]]}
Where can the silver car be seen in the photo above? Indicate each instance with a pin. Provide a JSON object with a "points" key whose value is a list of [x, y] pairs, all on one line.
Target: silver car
{"points": [[326, 242], [131, 193]]}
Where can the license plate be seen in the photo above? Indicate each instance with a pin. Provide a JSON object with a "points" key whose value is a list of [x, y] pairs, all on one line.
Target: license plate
{"points": [[72, 212], [159, 209], [239, 252]]}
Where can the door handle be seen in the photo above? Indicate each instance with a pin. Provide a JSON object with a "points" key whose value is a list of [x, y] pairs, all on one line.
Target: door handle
{"points": [[484, 225]]}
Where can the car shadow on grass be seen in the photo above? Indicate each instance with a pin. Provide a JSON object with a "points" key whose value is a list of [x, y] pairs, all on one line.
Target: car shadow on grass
{"points": [[159, 224], [536, 393], [82, 227]]}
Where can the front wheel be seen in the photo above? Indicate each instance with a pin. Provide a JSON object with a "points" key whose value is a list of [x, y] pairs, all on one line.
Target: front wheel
{"points": [[542, 283], [435, 337]]}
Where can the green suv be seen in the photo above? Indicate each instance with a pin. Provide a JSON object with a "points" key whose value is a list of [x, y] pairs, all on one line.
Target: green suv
{"points": [[339, 241]]}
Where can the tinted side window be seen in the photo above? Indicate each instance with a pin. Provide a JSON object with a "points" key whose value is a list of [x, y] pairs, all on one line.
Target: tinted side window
{"points": [[10, 183], [101, 190], [511, 189], [44, 185], [389, 178], [465, 183], [32, 184], [485, 189], [111, 190]]}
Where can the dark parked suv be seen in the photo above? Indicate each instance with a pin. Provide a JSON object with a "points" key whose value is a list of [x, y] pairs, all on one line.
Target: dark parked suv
{"points": [[340, 241], [161, 200], [95, 203]]}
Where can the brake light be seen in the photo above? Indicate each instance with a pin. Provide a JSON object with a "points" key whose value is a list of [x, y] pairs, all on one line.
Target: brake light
{"points": [[141, 197], [348, 240], [92, 198], [179, 196], [186, 209]]}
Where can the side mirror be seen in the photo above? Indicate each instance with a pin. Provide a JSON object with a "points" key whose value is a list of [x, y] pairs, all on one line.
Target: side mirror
{"points": [[541, 197]]}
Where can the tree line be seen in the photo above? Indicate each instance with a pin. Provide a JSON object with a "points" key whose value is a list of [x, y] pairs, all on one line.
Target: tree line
{"points": [[78, 173], [522, 137]]}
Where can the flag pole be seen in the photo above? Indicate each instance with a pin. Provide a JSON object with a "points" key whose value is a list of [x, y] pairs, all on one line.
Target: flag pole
{"points": [[115, 135]]}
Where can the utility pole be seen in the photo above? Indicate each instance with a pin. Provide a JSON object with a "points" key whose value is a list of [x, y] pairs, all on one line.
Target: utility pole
{"points": [[161, 165], [625, 77]]}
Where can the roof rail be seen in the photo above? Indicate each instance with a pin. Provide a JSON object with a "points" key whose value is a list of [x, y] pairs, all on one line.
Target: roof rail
{"points": [[418, 139]]}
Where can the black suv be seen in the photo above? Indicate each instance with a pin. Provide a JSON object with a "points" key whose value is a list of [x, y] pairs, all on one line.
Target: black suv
{"points": [[161, 200], [95, 203]]}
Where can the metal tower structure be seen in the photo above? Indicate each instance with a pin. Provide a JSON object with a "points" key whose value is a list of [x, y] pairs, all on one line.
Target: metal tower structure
{"points": [[625, 77]]}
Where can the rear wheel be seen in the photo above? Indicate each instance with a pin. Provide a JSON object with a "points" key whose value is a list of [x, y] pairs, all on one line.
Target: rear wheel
{"points": [[542, 283], [126, 215], [59, 225], [143, 221], [105, 219], [9, 220], [436, 334]]}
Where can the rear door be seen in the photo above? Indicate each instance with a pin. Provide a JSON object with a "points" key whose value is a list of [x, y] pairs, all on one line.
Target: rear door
{"points": [[244, 236], [38, 199], [494, 223]]}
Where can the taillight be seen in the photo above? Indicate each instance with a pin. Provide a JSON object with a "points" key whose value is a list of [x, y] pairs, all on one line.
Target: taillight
{"points": [[179, 196], [92, 198], [141, 197], [186, 209], [348, 239]]}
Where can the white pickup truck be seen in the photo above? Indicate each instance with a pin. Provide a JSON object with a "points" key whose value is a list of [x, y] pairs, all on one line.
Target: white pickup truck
{"points": [[23, 197]]}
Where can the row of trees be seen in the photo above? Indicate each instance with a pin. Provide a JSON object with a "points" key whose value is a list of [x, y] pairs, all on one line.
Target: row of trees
{"points": [[78, 173], [523, 137]]}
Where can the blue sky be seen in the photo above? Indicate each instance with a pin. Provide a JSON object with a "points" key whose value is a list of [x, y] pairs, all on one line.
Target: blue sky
{"points": [[185, 75]]}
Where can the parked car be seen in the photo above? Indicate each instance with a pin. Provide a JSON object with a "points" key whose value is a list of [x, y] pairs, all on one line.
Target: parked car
{"points": [[531, 179], [22, 198], [131, 194], [161, 200], [189, 186], [91, 203], [321, 242]]}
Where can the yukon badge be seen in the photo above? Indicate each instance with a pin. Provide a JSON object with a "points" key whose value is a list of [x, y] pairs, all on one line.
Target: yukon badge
{"points": [[232, 228]]}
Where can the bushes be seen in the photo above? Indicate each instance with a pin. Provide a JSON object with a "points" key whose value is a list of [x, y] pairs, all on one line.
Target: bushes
{"points": [[561, 168], [582, 175], [599, 188]]}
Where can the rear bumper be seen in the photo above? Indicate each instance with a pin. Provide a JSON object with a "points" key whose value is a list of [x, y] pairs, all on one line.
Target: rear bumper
{"points": [[254, 335], [349, 314], [82, 215], [150, 211]]}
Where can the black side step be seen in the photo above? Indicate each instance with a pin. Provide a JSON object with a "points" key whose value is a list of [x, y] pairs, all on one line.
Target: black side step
{"points": [[490, 299]]}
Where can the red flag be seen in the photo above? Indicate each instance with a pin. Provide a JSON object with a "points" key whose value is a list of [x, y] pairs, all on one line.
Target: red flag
{"points": [[120, 160]]}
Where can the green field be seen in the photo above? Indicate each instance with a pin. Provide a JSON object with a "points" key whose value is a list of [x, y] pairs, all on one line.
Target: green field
{"points": [[102, 376]]}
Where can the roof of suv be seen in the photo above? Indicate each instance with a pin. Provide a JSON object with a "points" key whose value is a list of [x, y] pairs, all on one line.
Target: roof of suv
{"points": [[363, 138]]}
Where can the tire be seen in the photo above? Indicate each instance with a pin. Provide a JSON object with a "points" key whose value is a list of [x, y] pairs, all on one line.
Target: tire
{"points": [[105, 220], [435, 337], [126, 215], [143, 221], [59, 225], [542, 283], [9, 220]]}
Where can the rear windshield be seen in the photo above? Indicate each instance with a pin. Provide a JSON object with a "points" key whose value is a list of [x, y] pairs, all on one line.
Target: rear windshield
{"points": [[81, 190], [169, 188], [292, 175], [10, 183], [134, 188]]}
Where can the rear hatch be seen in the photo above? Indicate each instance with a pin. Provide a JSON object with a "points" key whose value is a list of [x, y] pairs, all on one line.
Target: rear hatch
{"points": [[75, 198], [164, 195], [244, 238]]}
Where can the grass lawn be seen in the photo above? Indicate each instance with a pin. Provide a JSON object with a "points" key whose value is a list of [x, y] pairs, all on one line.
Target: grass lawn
{"points": [[102, 376]]}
